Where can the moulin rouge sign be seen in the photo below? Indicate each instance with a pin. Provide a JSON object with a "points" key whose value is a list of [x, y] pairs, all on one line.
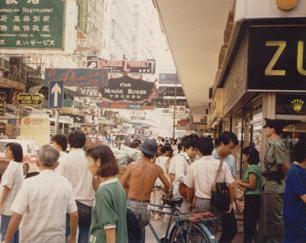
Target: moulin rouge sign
{"points": [[127, 88]]}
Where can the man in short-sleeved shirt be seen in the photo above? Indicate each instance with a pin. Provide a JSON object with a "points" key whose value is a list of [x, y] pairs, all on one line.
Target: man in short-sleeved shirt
{"points": [[42, 204], [276, 163]]}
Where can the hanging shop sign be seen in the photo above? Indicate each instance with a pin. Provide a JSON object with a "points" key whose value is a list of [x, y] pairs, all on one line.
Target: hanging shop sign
{"points": [[30, 99], [78, 77], [166, 103], [170, 91], [291, 104], [32, 24], [277, 59], [119, 66], [127, 88]]}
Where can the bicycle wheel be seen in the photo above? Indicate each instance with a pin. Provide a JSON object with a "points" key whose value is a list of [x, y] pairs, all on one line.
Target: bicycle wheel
{"points": [[186, 232]]}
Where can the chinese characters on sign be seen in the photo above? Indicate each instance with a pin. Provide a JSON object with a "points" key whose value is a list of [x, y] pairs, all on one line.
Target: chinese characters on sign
{"points": [[30, 99], [31, 24], [127, 88]]}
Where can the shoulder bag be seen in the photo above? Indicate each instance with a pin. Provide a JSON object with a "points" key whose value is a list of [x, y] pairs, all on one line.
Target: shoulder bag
{"points": [[220, 198]]}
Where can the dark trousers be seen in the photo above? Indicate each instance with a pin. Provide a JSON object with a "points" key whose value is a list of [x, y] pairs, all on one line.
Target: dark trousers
{"points": [[251, 216], [229, 225]]}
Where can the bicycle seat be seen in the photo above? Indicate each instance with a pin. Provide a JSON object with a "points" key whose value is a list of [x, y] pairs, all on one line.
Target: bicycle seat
{"points": [[177, 202]]}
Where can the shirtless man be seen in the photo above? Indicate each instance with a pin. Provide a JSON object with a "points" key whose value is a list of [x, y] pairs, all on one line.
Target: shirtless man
{"points": [[140, 177]]}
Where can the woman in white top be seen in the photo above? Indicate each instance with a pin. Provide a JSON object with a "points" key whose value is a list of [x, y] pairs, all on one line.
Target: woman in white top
{"points": [[10, 184]]}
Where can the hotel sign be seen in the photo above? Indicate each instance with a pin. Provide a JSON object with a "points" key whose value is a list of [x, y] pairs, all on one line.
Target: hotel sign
{"points": [[277, 59]]}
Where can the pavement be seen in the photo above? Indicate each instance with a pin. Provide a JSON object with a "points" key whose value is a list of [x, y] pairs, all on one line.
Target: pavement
{"points": [[161, 226]]}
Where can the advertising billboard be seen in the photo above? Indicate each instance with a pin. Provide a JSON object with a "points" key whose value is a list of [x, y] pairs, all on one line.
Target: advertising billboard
{"points": [[121, 66]]}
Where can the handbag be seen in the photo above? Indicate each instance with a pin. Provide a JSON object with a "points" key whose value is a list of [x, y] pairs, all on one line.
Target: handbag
{"points": [[84, 212], [220, 198]]}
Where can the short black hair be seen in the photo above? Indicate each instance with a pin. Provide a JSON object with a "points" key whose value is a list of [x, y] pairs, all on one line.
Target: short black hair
{"points": [[205, 146], [167, 147], [226, 138], [17, 151], [77, 139], [61, 140], [191, 141], [253, 155], [109, 165], [299, 151]]}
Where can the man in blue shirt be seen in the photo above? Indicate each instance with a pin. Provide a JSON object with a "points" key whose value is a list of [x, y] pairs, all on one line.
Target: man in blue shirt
{"points": [[225, 144], [295, 197]]}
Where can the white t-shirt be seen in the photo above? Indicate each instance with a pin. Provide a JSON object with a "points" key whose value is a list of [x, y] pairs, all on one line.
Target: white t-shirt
{"points": [[12, 178], [201, 175], [44, 200], [61, 160], [162, 161], [180, 164], [75, 169]]}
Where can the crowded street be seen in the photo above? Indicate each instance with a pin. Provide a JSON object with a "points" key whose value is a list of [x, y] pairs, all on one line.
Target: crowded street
{"points": [[152, 121]]}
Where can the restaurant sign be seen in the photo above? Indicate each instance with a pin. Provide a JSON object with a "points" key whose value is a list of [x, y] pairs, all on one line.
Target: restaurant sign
{"points": [[127, 88], [277, 59], [32, 24], [30, 99]]}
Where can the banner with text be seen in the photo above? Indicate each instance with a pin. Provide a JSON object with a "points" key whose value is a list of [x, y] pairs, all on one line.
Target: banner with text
{"points": [[32, 24]]}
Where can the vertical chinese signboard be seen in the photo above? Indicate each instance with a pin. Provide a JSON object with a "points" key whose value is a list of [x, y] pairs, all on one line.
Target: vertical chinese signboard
{"points": [[32, 24]]}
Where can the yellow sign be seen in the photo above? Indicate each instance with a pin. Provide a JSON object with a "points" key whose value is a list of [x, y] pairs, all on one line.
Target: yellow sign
{"points": [[30, 99], [297, 105], [36, 128], [286, 5]]}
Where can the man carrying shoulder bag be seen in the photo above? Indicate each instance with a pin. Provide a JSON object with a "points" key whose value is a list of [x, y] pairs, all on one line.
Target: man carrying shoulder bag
{"points": [[203, 175]]}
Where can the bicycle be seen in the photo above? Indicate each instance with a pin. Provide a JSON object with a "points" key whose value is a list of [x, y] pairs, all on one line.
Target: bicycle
{"points": [[180, 229]]}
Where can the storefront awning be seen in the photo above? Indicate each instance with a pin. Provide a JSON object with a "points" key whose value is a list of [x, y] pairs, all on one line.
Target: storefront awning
{"points": [[194, 30]]}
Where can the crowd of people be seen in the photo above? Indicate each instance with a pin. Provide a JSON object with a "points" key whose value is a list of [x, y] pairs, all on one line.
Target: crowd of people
{"points": [[80, 196]]}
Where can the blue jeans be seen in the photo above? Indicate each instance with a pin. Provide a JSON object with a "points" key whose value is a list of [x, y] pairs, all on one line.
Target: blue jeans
{"points": [[5, 219], [83, 234]]}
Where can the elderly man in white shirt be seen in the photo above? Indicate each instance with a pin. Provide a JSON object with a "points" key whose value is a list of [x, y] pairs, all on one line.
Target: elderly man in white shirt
{"points": [[75, 169], [42, 203]]}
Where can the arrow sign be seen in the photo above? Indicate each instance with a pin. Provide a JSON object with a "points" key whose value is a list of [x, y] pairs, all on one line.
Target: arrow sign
{"points": [[56, 94], [56, 90]]}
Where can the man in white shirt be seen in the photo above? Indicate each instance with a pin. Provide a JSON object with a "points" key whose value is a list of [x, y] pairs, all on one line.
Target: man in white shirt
{"points": [[76, 171], [181, 164], [59, 141], [201, 175], [42, 203]]}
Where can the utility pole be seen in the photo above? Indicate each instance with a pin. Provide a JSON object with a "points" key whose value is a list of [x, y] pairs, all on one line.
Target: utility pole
{"points": [[56, 121], [174, 110]]}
